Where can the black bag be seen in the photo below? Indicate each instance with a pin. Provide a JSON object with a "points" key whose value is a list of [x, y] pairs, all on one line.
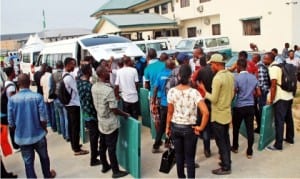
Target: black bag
{"points": [[52, 94], [289, 77], [168, 159], [4, 99], [63, 95]]}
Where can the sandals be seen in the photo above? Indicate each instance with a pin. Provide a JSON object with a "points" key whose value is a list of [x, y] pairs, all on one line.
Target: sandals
{"points": [[81, 152]]}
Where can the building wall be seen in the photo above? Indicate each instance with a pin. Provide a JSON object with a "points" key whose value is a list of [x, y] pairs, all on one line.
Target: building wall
{"points": [[107, 27], [10, 45]]}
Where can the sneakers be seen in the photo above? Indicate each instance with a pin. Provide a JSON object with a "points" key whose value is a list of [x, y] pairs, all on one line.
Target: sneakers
{"points": [[273, 148], [105, 168], [155, 151], [81, 152], [95, 162], [221, 171], [207, 153], [119, 174]]}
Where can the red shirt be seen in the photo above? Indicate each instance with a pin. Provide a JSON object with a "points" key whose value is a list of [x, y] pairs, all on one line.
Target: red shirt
{"points": [[252, 68]]}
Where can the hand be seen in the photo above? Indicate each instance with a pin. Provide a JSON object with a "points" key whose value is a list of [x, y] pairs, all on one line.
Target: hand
{"points": [[197, 129], [168, 131]]}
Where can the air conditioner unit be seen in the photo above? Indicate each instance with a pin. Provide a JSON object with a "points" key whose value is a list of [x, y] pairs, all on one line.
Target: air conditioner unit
{"points": [[200, 9]]}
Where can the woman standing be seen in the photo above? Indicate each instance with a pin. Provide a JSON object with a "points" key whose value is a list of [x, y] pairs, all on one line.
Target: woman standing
{"points": [[181, 121]]}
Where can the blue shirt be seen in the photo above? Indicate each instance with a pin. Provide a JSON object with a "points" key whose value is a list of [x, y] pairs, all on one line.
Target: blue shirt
{"points": [[160, 83], [245, 84], [26, 110], [151, 72]]}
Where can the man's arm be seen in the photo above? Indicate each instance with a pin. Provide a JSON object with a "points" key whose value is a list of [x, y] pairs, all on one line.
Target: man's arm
{"points": [[273, 90], [43, 113], [214, 96]]}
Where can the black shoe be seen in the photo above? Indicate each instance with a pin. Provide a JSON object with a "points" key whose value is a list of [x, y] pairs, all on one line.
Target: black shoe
{"points": [[221, 171], [234, 150], [105, 168], [119, 174], [257, 131], [291, 142], [95, 162], [10, 175], [207, 153], [273, 148]]}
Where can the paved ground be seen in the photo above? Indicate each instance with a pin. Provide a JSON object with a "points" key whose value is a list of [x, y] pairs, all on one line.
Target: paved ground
{"points": [[264, 164]]}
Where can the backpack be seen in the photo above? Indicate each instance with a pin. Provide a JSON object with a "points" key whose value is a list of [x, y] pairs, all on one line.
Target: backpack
{"points": [[289, 77], [173, 80], [63, 95], [4, 99]]}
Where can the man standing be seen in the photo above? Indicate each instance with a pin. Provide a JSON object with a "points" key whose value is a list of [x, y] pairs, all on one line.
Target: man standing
{"points": [[127, 83], [282, 102], [107, 110], [221, 98], [285, 51], [195, 61], [73, 108], [30, 127]]}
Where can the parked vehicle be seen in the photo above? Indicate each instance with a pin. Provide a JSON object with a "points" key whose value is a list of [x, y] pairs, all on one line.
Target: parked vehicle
{"points": [[173, 41], [159, 45], [219, 44]]}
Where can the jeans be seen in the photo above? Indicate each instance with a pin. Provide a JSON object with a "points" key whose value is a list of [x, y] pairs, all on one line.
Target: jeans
{"points": [[28, 156], [185, 141], [162, 126], [262, 100], [109, 142], [132, 109], [221, 132], [63, 119], [51, 115], [283, 114], [92, 126], [247, 114], [74, 126]]}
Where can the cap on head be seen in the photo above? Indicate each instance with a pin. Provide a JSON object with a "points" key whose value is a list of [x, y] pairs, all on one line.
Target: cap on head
{"points": [[217, 58], [182, 56]]}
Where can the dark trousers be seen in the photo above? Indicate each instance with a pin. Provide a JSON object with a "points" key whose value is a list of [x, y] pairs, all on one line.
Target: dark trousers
{"points": [[221, 133], [185, 141], [12, 138], [92, 126], [283, 114], [74, 126], [132, 109], [245, 113], [162, 126], [262, 100], [108, 142]]}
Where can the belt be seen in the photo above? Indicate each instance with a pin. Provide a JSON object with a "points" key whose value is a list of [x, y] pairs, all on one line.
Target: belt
{"points": [[182, 126]]}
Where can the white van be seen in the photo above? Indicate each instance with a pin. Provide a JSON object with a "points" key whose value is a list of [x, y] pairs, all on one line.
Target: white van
{"points": [[29, 56], [219, 44], [173, 41], [98, 46], [159, 45]]}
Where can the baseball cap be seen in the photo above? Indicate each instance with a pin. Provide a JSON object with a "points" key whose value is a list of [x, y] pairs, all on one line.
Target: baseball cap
{"points": [[217, 58], [182, 56]]}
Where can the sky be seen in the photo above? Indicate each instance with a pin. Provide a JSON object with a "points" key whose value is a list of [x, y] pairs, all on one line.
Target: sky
{"points": [[26, 16]]}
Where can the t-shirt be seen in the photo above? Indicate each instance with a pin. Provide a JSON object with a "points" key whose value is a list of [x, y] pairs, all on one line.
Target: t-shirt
{"points": [[295, 62], [126, 79], [160, 83], [10, 89], [151, 72], [185, 105]]}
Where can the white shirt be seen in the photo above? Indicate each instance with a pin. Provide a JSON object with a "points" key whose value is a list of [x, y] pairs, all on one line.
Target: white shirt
{"points": [[45, 84], [10, 89], [295, 61], [71, 85], [126, 79]]}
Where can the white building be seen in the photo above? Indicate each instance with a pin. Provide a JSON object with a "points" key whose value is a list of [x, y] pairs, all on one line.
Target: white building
{"points": [[268, 23]]}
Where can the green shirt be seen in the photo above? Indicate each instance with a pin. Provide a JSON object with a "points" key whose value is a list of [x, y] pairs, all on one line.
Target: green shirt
{"points": [[104, 100], [221, 97]]}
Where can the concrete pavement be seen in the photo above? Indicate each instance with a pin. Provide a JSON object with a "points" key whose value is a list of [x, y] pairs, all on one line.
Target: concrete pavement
{"points": [[264, 164]]}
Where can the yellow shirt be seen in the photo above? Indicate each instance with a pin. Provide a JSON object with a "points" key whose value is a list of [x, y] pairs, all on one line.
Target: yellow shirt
{"points": [[221, 97], [276, 73]]}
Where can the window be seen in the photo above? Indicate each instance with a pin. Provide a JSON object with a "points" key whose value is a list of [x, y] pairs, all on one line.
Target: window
{"points": [[26, 57], [202, 1], [164, 8], [222, 41], [216, 29], [146, 11], [156, 9], [191, 31], [251, 27], [184, 3]]}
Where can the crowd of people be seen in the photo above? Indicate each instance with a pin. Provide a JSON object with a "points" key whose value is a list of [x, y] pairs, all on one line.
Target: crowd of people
{"points": [[189, 97]]}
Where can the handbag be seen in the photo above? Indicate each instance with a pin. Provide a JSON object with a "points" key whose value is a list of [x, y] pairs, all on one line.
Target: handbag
{"points": [[168, 159]]}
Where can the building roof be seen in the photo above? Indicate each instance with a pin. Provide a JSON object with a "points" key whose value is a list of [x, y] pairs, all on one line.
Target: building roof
{"points": [[118, 4], [132, 20], [15, 36]]}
